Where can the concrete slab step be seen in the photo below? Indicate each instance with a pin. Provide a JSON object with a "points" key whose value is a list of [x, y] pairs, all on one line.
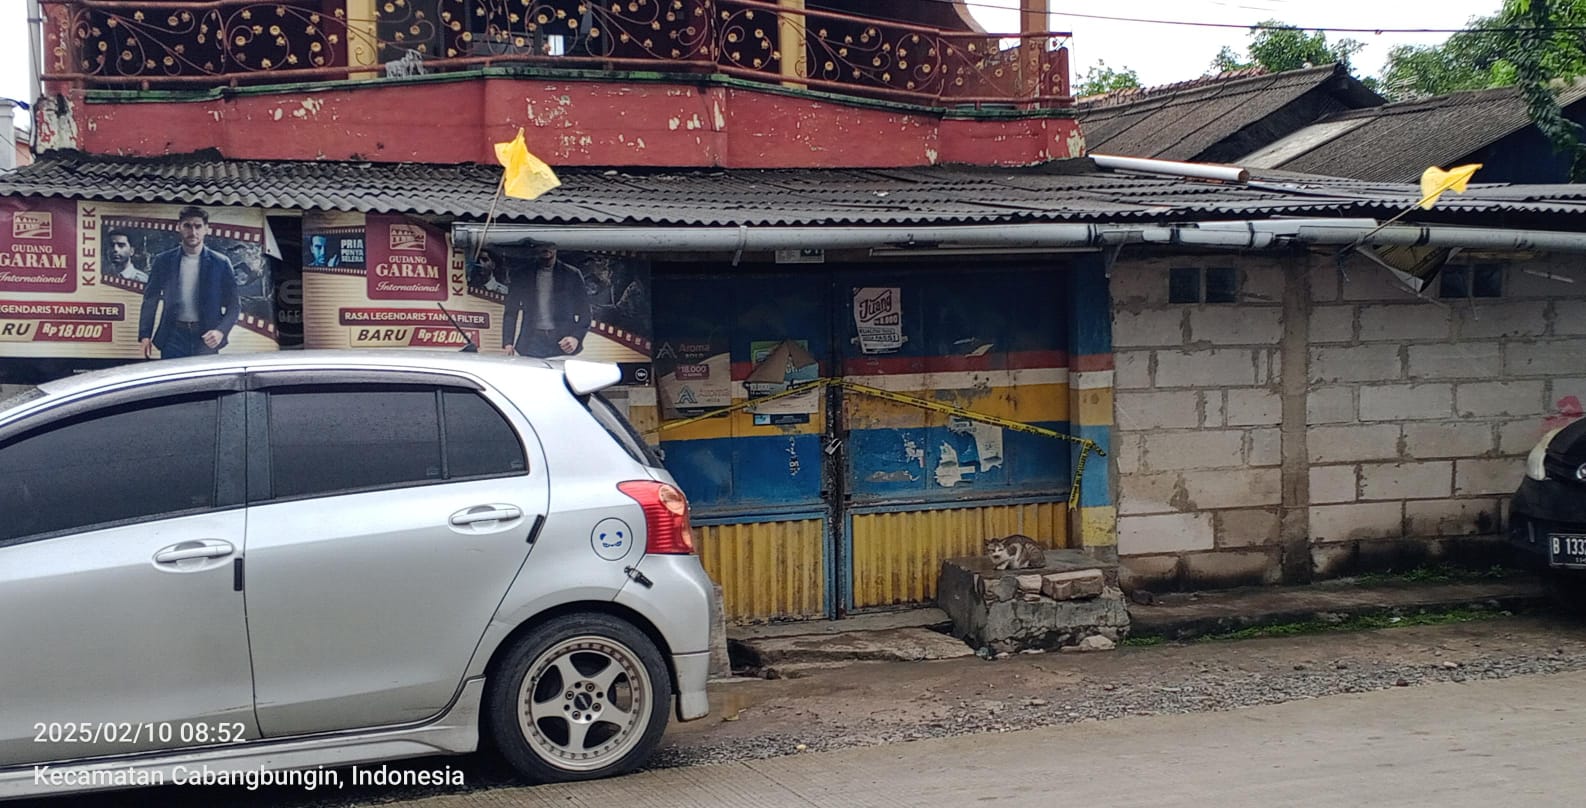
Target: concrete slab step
{"points": [[885, 645], [873, 621]]}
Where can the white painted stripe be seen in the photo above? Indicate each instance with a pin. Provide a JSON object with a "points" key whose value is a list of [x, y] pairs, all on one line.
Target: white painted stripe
{"points": [[1093, 379]]}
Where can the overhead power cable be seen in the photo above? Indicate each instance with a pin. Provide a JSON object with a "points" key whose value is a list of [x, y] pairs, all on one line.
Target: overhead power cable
{"points": [[1261, 27]]}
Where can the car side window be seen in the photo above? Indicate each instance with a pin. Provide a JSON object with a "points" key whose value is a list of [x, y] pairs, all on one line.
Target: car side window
{"points": [[125, 463], [329, 439], [338, 438], [479, 441]]}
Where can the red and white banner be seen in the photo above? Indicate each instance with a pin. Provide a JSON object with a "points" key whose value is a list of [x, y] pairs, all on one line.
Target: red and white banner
{"points": [[73, 275]]}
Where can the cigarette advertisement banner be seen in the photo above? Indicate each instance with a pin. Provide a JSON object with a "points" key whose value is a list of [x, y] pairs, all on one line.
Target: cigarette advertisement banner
{"points": [[694, 376], [387, 281], [79, 280]]}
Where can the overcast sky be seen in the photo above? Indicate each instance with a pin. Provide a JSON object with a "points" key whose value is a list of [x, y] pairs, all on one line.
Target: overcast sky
{"points": [[1160, 54]]}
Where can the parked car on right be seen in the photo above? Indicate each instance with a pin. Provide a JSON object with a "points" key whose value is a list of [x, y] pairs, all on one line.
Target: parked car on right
{"points": [[1547, 517]]}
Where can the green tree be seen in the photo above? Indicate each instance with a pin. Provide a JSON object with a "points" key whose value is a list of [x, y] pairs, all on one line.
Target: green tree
{"points": [[1536, 65], [1528, 44], [1490, 51], [1103, 79], [1278, 47], [1226, 61]]}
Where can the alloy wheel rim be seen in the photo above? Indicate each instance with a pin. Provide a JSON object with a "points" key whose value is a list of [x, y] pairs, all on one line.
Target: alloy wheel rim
{"points": [[585, 703]]}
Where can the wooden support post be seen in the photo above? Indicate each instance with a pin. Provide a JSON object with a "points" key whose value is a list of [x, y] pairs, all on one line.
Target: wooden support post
{"points": [[1032, 50], [790, 42], [1032, 16], [363, 38]]}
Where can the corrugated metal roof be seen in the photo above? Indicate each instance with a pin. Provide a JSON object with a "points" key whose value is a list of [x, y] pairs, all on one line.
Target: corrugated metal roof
{"points": [[1068, 191], [1397, 142]]}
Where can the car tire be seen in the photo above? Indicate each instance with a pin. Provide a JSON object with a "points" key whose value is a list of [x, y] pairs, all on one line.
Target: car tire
{"points": [[579, 697], [1566, 591]]}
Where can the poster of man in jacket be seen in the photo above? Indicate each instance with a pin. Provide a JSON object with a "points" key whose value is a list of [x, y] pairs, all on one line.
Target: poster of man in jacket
{"points": [[75, 283], [232, 287], [192, 288], [591, 305], [547, 308]]}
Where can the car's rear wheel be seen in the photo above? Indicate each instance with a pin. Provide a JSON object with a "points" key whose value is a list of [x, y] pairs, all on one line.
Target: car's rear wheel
{"points": [[1566, 591], [579, 697]]}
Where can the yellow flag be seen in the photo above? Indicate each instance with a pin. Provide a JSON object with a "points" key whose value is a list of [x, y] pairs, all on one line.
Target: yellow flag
{"points": [[1434, 181], [526, 176]]}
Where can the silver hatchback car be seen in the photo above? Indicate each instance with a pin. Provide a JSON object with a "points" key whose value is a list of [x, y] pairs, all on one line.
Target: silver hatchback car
{"points": [[288, 562]]}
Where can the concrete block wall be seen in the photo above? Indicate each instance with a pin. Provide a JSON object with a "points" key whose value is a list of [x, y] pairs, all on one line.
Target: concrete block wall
{"points": [[1419, 415], [1402, 427], [1198, 413]]}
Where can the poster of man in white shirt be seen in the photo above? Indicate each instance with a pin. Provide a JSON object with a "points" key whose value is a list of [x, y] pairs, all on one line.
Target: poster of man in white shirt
{"points": [[193, 288]]}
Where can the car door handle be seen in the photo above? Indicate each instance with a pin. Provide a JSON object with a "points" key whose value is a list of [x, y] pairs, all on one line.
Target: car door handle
{"points": [[208, 548], [486, 513]]}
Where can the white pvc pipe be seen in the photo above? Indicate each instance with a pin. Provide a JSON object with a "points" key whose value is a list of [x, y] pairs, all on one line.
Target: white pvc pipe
{"points": [[1478, 238], [8, 135], [35, 51], [1172, 168], [1239, 235]]}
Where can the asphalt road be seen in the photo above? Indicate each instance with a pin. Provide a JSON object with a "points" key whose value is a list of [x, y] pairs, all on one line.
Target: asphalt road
{"points": [[1510, 742]]}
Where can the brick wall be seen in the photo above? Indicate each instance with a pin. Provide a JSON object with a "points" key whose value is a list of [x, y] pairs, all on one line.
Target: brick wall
{"points": [[1416, 416]]}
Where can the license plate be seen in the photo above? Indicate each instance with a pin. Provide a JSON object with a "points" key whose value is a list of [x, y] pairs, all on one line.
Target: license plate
{"points": [[1568, 549]]}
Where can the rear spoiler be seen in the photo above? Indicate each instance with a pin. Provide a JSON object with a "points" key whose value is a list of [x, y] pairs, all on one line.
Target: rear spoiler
{"points": [[585, 377]]}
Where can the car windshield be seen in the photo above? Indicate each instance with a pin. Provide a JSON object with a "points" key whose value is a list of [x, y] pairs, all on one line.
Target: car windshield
{"points": [[24, 396]]}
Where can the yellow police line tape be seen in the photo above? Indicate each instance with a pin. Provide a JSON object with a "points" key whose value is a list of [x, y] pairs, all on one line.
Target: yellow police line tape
{"points": [[1086, 445]]}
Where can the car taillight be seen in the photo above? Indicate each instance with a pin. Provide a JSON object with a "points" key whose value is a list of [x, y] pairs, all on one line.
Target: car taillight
{"points": [[665, 516]]}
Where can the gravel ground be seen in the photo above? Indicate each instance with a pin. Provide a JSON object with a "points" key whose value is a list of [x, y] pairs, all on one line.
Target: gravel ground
{"points": [[875, 703], [846, 708]]}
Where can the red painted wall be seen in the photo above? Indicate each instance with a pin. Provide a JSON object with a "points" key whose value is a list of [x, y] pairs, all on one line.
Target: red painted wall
{"points": [[567, 123]]}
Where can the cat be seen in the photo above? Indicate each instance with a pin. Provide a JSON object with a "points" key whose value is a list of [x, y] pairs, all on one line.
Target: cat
{"points": [[1016, 552]]}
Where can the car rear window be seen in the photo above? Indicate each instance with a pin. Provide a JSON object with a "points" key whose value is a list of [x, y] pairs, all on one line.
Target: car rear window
{"points": [[621, 431], [479, 441]]}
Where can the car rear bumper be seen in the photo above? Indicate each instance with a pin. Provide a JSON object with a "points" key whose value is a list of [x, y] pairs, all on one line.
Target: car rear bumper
{"points": [[1544, 507], [693, 670], [675, 595]]}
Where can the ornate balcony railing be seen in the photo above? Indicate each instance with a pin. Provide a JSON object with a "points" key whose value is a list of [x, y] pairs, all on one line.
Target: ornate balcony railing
{"points": [[169, 44]]}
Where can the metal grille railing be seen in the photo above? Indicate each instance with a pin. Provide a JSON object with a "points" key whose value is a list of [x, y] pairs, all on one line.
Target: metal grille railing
{"points": [[119, 43]]}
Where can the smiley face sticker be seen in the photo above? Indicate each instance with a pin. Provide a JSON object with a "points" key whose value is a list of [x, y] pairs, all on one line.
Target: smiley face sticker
{"points": [[612, 539]]}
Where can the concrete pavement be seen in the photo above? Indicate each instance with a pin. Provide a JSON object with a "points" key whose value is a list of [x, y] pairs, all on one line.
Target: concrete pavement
{"points": [[1510, 742]]}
